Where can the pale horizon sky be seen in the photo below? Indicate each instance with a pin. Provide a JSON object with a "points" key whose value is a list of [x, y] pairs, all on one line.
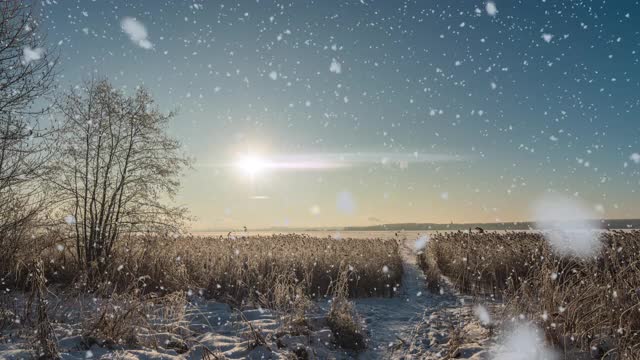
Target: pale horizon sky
{"points": [[338, 113]]}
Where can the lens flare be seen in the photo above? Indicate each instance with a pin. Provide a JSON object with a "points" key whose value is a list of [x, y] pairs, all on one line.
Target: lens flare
{"points": [[251, 165]]}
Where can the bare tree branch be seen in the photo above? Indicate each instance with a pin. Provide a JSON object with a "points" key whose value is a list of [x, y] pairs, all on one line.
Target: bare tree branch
{"points": [[26, 75]]}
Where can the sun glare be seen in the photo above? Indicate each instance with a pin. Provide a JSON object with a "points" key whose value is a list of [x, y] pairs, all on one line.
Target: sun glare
{"points": [[251, 165]]}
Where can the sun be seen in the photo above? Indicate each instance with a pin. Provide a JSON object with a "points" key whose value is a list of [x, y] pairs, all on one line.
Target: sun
{"points": [[251, 165]]}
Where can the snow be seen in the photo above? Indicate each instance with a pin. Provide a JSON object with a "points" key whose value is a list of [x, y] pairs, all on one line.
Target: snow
{"points": [[491, 8], [524, 342], [207, 326], [547, 37], [415, 324], [567, 224], [136, 31], [482, 314], [29, 54], [635, 157], [70, 219], [421, 242], [345, 203], [335, 66]]}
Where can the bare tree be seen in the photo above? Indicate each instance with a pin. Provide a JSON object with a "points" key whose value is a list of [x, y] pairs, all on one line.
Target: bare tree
{"points": [[115, 166], [26, 67], [26, 75]]}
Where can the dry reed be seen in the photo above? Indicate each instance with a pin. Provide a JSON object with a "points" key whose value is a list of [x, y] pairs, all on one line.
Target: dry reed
{"points": [[590, 304]]}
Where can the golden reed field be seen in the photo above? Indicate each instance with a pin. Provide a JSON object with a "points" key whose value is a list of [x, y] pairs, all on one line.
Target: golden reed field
{"points": [[585, 306], [592, 304]]}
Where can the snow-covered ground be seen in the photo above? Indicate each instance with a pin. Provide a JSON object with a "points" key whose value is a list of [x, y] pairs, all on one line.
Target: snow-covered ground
{"points": [[415, 325], [209, 328], [419, 324]]}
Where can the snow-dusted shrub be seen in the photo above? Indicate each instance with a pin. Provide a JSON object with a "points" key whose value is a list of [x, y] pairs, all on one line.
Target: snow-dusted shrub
{"points": [[343, 319]]}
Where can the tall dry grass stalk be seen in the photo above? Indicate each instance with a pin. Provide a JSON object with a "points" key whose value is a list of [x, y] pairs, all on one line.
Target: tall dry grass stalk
{"points": [[134, 318], [244, 270], [141, 292], [343, 319], [591, 304], [45, 343]]}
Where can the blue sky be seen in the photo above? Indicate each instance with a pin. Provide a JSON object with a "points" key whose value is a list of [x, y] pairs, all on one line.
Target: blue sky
{"points": [[540, 96]]}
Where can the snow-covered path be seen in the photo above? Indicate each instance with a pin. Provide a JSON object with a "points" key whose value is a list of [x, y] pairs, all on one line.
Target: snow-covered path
{"points": [[417, 324], [389, 320]]}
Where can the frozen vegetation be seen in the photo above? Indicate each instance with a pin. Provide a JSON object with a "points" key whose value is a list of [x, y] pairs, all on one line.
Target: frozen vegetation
{"points": [[415, 179]]}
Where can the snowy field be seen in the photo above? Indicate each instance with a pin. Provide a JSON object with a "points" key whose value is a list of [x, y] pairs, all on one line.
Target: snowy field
{"points": [[126, 125], [418, 322], [338, 234], [414, 324]]}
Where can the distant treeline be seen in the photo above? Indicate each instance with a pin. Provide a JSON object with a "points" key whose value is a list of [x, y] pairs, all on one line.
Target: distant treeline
{"points": [[524, 225]]}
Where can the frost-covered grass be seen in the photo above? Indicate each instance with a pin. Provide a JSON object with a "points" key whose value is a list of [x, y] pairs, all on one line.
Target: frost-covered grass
{"points": [[236, 269], [175, 326], [141, 298], [588, 303], [253, 269]]}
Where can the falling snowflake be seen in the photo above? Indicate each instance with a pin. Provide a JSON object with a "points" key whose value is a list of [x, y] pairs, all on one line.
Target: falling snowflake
{"points": [[567, 225], [491, 8], [345, 203], [136, 31], [482, 314], [335, 67], [421, 242], [70, 219], [29, 55]]}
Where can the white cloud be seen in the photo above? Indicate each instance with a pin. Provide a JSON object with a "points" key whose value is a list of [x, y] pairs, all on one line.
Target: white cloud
{"points": [[491, 8], [29, 54], [136, 32]]}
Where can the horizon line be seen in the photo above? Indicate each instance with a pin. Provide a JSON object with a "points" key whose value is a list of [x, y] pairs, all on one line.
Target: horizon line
{"points": [[342, 228]]}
